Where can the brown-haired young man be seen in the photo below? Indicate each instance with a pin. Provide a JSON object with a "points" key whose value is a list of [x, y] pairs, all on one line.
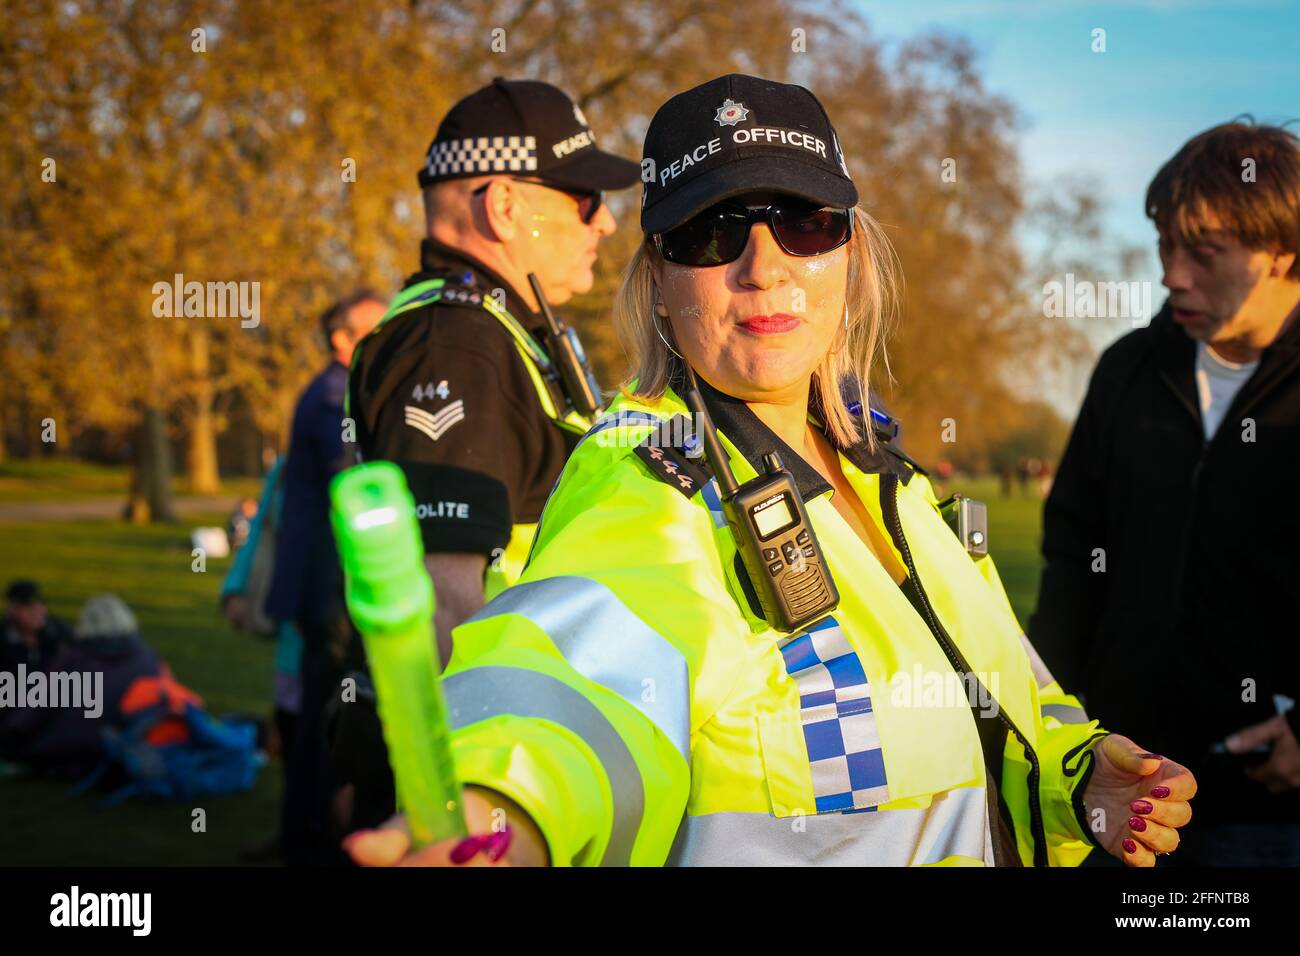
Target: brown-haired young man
{"points": [[1171, 593]]}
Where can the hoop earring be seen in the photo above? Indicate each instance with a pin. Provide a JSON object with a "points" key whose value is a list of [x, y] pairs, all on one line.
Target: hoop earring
{"points": [[655, 319]]}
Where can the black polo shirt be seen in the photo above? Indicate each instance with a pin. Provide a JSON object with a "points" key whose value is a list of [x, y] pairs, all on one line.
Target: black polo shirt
{"points": [[443, 392]]}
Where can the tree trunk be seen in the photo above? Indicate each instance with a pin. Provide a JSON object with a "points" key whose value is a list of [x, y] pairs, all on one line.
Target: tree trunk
{"points": [[201, 457], [151, 490]]}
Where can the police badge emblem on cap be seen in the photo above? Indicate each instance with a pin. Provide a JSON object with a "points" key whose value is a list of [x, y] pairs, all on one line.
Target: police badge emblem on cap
{"points": [[738, 134], [730, 113]]}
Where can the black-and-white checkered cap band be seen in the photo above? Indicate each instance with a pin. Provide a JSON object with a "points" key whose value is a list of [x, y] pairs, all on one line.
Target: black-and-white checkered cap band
{"points": [[481, 154]]}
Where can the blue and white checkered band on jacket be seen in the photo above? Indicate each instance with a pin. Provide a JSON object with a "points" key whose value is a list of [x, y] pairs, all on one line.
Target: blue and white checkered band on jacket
{"points": [[482, 154], [839, 729]]}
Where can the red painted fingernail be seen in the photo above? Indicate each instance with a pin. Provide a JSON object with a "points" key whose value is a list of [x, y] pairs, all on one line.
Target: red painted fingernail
{"points": [[498, 843], [1141, 806], [349, 841], [1152, 757], [1130, 846], [1137, 823], [465, 850], [1159, 792]]}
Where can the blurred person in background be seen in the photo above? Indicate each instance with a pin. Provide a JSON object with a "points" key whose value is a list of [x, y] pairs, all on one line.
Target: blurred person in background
{"points": [[306, 585], [243, 594], [60, 739], [32, 635], [240, 519], [1171, 590]]}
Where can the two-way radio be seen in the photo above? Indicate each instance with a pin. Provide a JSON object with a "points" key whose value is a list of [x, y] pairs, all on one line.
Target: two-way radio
{"points": [[773, 535], [566, 353]]}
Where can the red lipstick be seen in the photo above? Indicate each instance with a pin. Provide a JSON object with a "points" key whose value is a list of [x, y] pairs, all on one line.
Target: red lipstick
{"points": [[769, 324]]}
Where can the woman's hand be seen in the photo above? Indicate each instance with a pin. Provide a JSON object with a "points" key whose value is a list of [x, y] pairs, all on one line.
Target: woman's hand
{"points": [[505, 836], [1143, 796]]}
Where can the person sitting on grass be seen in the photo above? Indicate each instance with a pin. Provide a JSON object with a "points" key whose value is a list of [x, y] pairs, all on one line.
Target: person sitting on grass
{"points": [[32, 635]]}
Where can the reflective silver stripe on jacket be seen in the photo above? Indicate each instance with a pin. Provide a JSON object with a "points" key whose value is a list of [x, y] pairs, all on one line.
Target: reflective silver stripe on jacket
{"points": [[955, 824], [616, 419], [605, 642], [483, 692], [1066, 714]]}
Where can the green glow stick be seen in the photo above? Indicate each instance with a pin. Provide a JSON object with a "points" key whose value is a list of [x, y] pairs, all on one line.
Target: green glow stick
{"points": [[390, 598]]}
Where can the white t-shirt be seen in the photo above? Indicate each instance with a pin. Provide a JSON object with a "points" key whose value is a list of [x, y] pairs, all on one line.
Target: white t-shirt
{"points": [[1217, 384]]}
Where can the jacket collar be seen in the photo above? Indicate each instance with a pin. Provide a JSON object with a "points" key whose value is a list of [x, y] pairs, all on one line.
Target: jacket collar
{"points": [[1175, 356], [735, 419], [438, 258], [1174, 346]]}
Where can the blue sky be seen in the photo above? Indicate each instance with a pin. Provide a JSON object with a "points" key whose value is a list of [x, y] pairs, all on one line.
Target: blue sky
{"points": [[1171, 68]]}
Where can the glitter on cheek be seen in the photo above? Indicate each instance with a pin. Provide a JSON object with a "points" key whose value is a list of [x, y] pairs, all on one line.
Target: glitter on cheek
{"points": [[696, 291], [816, 267]]}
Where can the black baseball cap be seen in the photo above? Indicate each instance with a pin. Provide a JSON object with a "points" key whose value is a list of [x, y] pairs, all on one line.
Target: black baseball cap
{"points": [[734, 135], [23, 592], [524, 127]]}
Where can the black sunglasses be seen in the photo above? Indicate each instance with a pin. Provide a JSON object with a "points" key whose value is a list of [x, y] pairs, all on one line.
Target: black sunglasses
{"points": [[720, 233], [589, 203]]}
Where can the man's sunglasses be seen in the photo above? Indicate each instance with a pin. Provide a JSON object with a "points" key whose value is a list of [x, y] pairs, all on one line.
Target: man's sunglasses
{"points": [[720, 233], [589, 203]]}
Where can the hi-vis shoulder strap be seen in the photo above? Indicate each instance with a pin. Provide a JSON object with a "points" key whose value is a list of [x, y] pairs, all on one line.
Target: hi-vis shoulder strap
{"points": [[536, 360]]}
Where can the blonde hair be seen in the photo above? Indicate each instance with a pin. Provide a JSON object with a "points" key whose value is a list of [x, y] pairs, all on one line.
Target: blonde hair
{"points": [[872, 295]]}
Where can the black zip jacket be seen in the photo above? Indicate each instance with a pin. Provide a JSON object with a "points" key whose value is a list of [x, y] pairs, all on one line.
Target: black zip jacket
{"points": [[1194, 623]]}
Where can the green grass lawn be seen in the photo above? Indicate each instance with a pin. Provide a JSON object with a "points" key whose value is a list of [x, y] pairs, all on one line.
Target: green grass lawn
{"points": [[55, 479], [149, 567]]}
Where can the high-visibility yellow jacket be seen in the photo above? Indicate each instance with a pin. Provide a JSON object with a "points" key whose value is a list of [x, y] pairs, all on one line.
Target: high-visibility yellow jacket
{"points": [[627, 697]]}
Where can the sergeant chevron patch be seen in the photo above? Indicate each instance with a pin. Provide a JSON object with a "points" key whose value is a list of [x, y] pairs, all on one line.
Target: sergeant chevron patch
{"points": [[435, 425]]}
